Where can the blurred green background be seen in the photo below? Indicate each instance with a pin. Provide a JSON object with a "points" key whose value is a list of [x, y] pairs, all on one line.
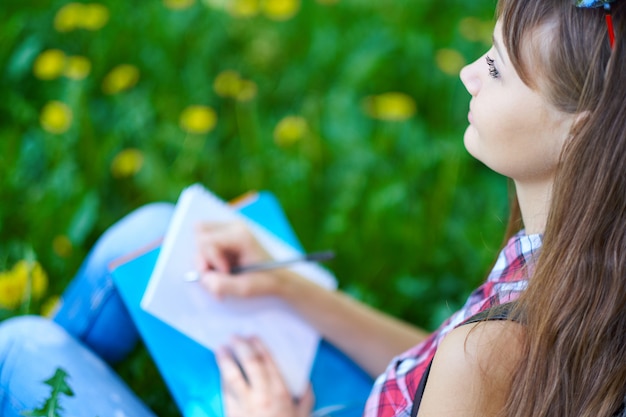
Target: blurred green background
{"points": [[350, 111]]}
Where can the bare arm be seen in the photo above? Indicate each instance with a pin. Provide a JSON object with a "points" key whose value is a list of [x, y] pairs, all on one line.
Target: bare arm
{"points": [[471, 372], [370, 337]]}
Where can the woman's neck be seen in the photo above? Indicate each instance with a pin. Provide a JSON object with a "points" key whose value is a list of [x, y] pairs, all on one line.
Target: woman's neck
{"points": [[534, 201]]}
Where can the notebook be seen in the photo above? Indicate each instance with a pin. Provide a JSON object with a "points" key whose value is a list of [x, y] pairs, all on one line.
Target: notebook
{"points": [[185, 359]]}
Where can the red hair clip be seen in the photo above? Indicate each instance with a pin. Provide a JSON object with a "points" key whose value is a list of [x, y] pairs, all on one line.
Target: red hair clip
{"points": [[609, 24], [606, 5]]}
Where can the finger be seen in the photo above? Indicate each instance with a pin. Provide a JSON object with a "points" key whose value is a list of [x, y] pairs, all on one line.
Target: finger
{"points": [[233, 406], [213, 254], [227, 245], [215, 283], [243, 286], [233, 379], [222, 285], [274, 375], [236, 236], [305, 403], [252, 363], [215, 257]]}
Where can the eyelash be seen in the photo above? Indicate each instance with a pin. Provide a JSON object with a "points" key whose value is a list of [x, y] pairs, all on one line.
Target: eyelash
{"points": [[493, 71]]}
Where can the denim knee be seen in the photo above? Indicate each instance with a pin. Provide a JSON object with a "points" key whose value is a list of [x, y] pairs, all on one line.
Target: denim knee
{"points": [[91, 309]]}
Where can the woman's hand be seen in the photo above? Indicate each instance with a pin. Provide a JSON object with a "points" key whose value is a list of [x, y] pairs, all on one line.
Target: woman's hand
{"points": [[225, 245], [257, 388]]}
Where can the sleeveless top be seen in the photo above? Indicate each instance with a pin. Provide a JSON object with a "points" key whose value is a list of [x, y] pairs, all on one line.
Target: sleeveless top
{"points": [[500, 312], [393, 391]]}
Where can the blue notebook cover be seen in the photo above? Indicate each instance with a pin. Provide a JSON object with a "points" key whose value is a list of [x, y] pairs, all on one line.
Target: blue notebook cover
{"points": [[189, 369]]}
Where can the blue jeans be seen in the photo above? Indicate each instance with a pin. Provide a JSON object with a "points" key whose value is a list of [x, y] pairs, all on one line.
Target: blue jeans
{"points": [[90, 328]]}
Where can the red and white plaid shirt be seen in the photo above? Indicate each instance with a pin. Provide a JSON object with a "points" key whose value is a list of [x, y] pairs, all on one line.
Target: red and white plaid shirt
{"points": [[393, 391]]}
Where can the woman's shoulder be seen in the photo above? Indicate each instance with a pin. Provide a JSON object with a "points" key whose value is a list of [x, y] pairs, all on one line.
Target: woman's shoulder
{"points": [[471, 371], [483, 343]]}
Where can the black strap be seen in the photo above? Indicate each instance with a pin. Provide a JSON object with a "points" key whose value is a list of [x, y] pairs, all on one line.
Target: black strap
{"points": [[417, 398], [499, 312]]}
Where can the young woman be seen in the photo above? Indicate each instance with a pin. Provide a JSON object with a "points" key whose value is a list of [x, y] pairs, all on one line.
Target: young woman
{"points": [[547, 111]]}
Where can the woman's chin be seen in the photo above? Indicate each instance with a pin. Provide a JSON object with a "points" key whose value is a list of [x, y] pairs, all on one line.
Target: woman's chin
{"points": [[469, 141]]}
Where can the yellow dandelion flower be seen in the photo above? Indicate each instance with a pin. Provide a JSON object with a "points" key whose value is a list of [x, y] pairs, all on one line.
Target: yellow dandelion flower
{"points": [[198, 119], [56, 117], [23, 279], [127, 163], [280, 10], [62, 246], [449, 61], [476, 30], [290, 130], [247, 90], [120, 78], [94, 16], [178, 4], [72, 16], [50, 306], [77, 67], [227, 84], [33, 273], [390, 106], [69, 17], [11, 291], [243, 8], [49, 64]]}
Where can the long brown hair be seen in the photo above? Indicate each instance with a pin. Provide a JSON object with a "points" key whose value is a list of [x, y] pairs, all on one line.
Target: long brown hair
{"points": [[574, 309]]}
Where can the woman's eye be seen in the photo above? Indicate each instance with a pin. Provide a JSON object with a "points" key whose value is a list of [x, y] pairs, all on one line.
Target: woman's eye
{"points": [[493, 71]]}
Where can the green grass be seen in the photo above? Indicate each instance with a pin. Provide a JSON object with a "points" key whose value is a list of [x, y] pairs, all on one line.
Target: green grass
{"points": [[414, 220]]}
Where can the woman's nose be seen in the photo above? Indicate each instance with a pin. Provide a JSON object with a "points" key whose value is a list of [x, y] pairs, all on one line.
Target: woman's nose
{"points": [[471, 78]]}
